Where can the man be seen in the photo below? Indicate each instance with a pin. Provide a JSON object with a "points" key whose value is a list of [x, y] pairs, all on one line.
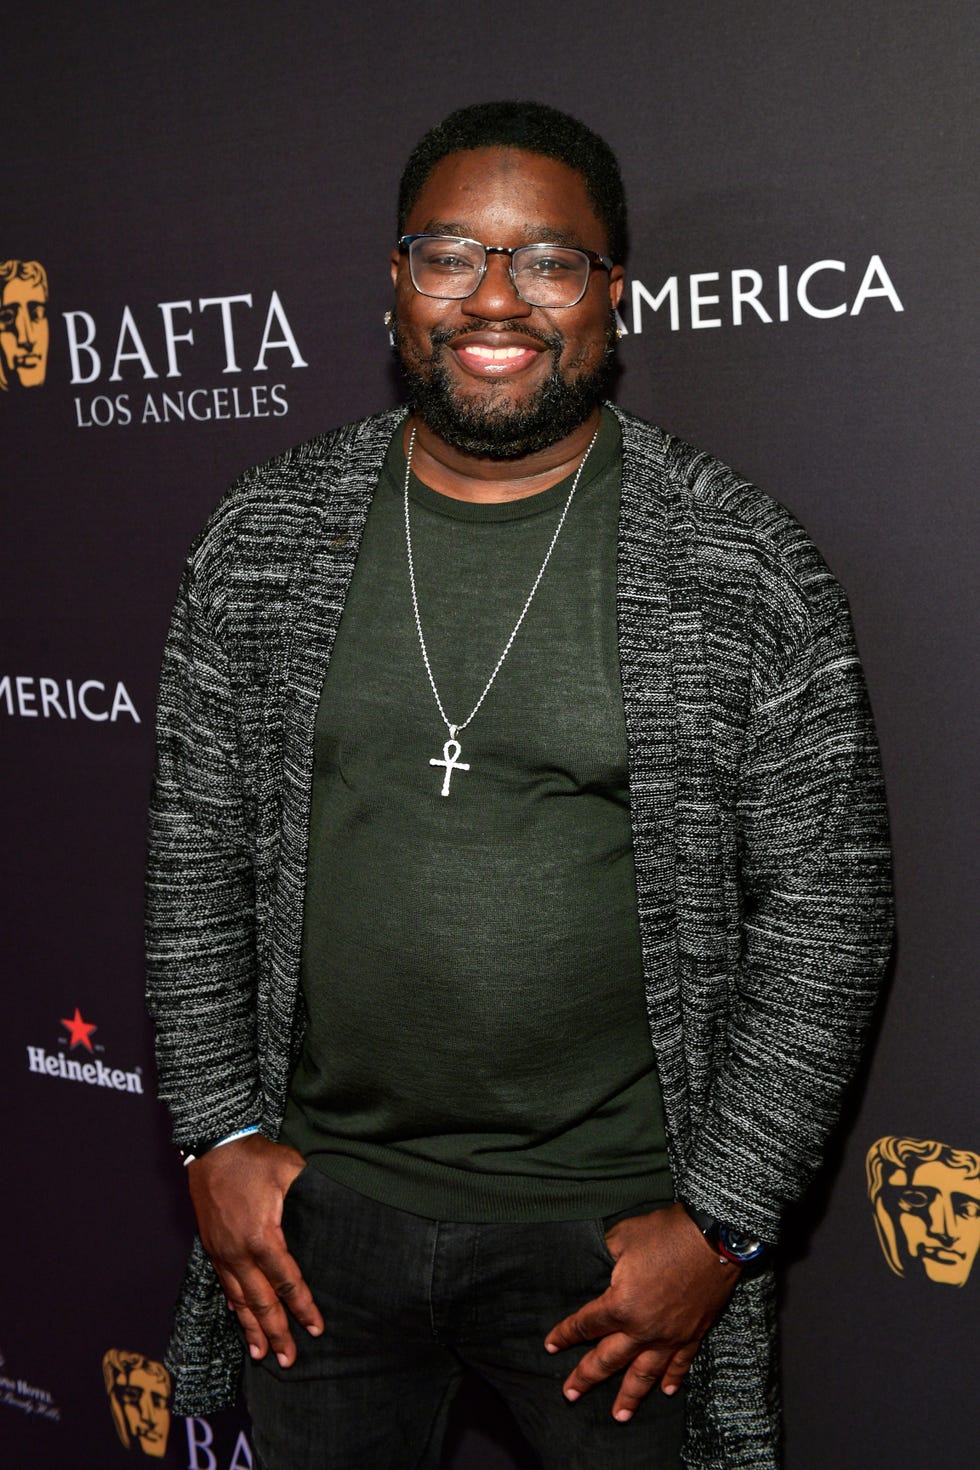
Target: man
{"points": [[926, 1200], [23, 323], [499, 740]]}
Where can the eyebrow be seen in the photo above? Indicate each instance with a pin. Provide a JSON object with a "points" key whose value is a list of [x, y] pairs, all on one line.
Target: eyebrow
{"points": [[531, 234]]}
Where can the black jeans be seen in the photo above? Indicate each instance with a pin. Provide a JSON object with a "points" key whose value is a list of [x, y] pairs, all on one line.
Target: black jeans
{"points": [[408, 1303]]}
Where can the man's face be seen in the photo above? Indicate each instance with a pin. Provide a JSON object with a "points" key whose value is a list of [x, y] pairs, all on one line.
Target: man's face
{"points": [[462, 380], [938, 1213], [143, 1401], [24, 331]]}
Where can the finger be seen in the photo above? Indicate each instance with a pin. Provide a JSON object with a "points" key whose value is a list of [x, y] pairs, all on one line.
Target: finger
{"points": [[263, 1316], [266, 1312], [591, 1321], [677, 1369], [641, 1376], [289, 1285], [611, 1355], [255, 1339]]}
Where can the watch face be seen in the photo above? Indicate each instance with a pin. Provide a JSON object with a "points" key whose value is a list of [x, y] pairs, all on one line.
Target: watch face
{"points": [[744, 1247]]}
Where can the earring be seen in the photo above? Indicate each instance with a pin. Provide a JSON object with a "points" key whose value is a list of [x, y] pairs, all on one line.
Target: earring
{"points": [[621, 331], [389, 321]]}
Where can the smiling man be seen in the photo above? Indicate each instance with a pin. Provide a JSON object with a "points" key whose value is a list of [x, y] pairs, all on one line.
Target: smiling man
{"points": [[518, 885]]}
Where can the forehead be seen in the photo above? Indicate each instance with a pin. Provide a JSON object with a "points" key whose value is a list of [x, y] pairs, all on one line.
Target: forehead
{"points": [[143, 1378], [942, 1177], [20, 290], [506, 196]]}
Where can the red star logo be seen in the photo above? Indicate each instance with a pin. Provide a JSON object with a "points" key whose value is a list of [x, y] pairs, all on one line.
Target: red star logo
{"points": [[80, 1030]]}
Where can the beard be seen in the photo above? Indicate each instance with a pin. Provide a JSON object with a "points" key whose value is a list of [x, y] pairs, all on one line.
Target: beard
{"points": [[490, 427]]}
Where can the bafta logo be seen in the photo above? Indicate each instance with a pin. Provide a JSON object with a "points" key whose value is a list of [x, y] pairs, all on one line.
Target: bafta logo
{"points": [[23, 324], [139, 1397], [926, 1202]]}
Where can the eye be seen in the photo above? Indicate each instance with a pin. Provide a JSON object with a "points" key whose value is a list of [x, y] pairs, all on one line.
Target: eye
{"points": [[8, 316], [448, 262], [37, 311], [913, 1199], [550, 265], [448, 257], [966, 1207]]}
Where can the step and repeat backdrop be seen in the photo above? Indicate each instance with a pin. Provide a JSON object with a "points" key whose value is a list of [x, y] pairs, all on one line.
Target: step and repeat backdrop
{"points": [[197, 211]]}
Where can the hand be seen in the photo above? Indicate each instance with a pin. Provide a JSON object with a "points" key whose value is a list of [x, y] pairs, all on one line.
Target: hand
{"points": [[667, 1288], [237, 1192]]}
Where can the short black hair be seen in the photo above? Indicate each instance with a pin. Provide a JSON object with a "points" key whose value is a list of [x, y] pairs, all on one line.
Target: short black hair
{"points": [[535, 128]]}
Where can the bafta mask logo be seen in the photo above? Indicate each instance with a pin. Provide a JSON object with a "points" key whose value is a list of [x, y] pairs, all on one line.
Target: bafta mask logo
{"points": [[23, 324], [926, 1202], [139, 1397]]}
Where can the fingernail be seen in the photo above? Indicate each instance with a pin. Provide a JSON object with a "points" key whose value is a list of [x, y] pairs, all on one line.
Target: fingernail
{"points": [[671, 1388], [623, 1414], [314, 1331], [282, 1360], [572, 1394], [255, 1350], [551, 1347]]}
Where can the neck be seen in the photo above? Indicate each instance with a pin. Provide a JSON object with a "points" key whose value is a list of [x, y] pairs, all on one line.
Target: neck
{"points": [[464, 477]]}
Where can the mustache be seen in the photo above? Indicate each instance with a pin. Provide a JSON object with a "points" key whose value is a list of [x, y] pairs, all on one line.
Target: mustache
{"points": [[445, 336]]}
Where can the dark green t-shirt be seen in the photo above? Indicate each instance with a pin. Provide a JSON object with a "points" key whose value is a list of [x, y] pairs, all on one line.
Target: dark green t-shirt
{"points": [[477, 1046]]}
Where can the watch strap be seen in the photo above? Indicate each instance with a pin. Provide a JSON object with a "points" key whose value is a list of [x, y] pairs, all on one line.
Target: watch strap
{"points": [[732, 1245]]}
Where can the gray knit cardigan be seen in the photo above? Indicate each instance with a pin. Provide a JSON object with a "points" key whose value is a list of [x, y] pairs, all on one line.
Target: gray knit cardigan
{"points": [[759, 829]]}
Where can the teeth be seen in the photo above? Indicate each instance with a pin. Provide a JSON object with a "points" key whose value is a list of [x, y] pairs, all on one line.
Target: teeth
{"points": [[494, 354]]}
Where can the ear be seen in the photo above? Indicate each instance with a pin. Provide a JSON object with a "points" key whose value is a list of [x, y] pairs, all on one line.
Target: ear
{"points": [[396, 258], [617, 280]]}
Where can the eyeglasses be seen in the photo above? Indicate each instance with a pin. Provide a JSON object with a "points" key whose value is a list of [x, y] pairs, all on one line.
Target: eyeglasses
{"points": [[451, 268]]}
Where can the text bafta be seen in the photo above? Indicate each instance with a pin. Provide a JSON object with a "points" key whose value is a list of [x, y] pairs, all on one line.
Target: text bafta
{"points": [[86, 361]]}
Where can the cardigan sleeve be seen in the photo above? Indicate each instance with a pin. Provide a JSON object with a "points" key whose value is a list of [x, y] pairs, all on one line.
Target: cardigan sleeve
{"points": [[200, 920], [814, 872]]}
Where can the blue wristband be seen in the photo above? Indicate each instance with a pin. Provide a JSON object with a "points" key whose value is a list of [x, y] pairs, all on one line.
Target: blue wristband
{"points": [[197, 1149]]}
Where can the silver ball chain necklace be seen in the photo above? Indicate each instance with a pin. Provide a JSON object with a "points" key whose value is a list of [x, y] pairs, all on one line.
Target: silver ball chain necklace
{"points": [[451, 750]]}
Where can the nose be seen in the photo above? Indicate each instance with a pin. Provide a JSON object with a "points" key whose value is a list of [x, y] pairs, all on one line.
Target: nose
{"points": [[25, 337], [941, 1221], [496, 298]]}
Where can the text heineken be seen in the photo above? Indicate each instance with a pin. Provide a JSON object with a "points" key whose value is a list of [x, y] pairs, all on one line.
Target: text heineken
{"points": [[95, 1073]]}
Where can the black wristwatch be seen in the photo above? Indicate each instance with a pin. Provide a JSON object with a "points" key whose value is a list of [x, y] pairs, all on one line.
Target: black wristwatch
{"points": [[731, 1244]]}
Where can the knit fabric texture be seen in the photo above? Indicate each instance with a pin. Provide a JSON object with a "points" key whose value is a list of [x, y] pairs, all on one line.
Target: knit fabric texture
{"points": [[759, 829]]}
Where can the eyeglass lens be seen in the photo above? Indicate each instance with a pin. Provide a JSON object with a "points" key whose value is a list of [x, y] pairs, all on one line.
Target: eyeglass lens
{"points": [[545, 275]]}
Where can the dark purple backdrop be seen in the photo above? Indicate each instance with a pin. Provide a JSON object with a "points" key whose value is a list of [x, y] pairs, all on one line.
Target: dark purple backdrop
{"points": [[180, 153]]}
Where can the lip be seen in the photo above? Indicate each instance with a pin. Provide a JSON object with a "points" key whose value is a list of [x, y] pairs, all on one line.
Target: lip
{"points": [[495, 354]]}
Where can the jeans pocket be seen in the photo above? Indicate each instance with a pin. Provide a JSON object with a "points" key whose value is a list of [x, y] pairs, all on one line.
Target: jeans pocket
{"points": [[599, 1230], [291, 1188]]}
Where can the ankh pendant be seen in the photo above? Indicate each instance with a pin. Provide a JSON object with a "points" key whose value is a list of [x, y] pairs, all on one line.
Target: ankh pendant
{"points": [[451, 761]]}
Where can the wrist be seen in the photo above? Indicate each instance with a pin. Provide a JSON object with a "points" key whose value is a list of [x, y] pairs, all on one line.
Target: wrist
{"points": [[195, 1150], [731, 1245]]}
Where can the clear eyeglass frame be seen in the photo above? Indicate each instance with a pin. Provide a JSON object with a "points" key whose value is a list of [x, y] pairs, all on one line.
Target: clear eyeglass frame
{"points": [[456, 284]]}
